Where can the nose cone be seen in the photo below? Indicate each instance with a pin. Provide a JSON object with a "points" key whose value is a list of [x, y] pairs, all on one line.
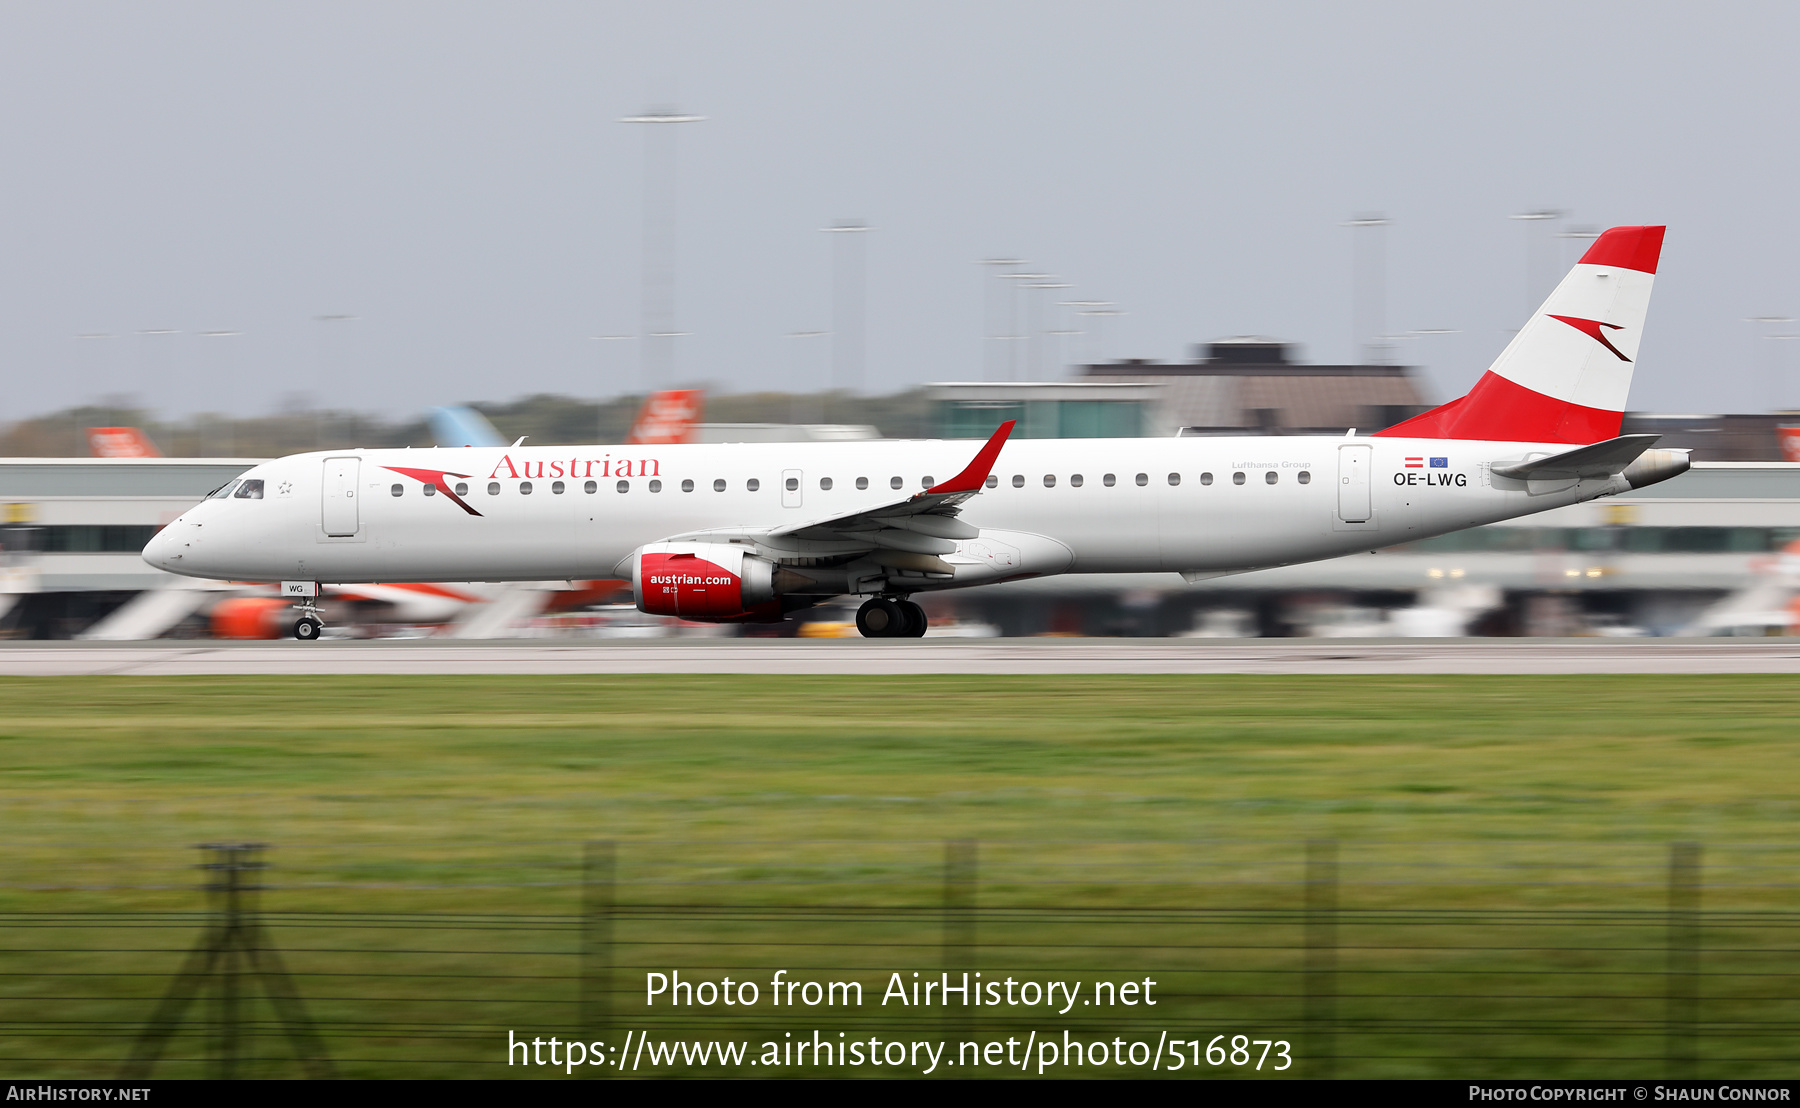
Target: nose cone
{"points": [[165, 550]]}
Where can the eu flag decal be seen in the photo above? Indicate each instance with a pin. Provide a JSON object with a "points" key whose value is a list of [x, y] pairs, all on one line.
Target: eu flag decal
{"points": [[1440, 463]]}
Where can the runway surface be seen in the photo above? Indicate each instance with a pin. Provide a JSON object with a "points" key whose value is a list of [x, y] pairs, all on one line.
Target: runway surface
{"points": [[914, 656]]}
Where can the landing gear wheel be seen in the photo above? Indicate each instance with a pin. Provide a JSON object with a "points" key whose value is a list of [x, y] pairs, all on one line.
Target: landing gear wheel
{"points": [[307, 629], [881, 618], [914, 627]]}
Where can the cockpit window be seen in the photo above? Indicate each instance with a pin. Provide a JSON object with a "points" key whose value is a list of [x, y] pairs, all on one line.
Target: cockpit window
{"points": [[250, 490], [223, 491]]}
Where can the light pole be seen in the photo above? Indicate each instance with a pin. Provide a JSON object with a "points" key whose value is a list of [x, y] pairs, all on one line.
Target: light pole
{"points": [[848, 297], [1082, 308], [223, 377], [1770, 370], [321, 378], [1369, 285], [100, 374], [1423, 332], [154, 366], [1016, 335], [993, 342], [800, 377], [1580, 235], [1040, 335], [1536, 256], [657, 352], [1101, 311], [600, 396]]}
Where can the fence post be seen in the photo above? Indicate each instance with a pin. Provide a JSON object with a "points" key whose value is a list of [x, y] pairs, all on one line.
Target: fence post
{"points": [[959, 920], [1683, 974], [1321, 955], [229, 890], [598, 876]]}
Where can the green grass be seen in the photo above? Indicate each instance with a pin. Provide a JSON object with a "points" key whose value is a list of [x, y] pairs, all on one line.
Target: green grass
{"points": [[334, 758], [473, 795]]}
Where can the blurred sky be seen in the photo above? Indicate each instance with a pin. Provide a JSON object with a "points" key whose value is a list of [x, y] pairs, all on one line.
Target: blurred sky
{"points": [[452, 176]]}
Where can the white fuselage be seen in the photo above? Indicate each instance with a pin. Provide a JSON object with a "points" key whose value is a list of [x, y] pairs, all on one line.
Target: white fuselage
{"points": [[1189, 505]]}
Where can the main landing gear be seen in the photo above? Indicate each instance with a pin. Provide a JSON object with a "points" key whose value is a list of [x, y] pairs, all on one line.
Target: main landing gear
{"points": [[886, 618]]}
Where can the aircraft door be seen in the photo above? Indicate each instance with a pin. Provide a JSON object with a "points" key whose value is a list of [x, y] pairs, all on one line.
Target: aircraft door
{"points": [[1354, 464], [338, 512], [793, 484]]}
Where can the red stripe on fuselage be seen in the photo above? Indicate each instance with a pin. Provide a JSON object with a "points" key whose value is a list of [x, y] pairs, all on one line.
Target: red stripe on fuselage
{"points": [[1500, 410]]}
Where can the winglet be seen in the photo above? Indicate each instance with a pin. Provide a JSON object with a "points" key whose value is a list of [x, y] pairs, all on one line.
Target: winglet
{"points": [[971, 478]]}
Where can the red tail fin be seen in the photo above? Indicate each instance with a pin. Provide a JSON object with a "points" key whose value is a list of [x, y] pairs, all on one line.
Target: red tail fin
{"points": [[1565, 375]]}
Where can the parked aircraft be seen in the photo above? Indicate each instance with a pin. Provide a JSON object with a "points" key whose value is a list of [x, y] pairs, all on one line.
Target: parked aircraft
{"points": [[749, 531]]}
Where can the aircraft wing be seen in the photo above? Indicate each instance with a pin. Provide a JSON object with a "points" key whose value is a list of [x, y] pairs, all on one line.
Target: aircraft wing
{"points": [[922, 525]]}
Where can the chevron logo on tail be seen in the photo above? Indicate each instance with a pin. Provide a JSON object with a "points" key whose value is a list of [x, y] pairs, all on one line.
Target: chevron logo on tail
{"points": [[1591, 328]]}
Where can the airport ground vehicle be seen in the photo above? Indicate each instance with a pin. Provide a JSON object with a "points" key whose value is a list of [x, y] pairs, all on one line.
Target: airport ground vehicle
{"points": [[744, 532]]}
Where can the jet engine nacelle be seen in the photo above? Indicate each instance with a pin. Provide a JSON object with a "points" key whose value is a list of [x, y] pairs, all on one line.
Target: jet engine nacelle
{"points": [[709, 581]]}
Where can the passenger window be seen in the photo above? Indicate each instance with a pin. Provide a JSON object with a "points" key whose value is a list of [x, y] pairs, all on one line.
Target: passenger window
{"points": [[1271, 477], [1075, 480], [396, 489], [896, 483], [493, 488], [462, 488], [1238, 477], [1109, 480], [656, 486], [624, 486], [993, 482], [1018, 480], [719, 485], [1049, 480], [1143, 478], [825, 483], [862, 482], [251, 489], [430, 489], [687, 484], [591, 486], [524, 488], [1304, 477], [1174, 478], [926, 482], [556, 488], [1206, 478], [753, 484], [793, 484], [224, 490]]}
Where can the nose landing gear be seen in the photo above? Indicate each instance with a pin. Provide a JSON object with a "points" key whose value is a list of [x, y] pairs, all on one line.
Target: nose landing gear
{"points": [[309, 626], [890, 618]]}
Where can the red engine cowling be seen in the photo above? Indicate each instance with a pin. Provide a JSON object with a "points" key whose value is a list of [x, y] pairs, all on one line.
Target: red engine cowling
{"points": [[701, 581]]}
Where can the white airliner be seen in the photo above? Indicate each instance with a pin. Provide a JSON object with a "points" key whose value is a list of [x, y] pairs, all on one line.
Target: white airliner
{"points": [[747, 532]]}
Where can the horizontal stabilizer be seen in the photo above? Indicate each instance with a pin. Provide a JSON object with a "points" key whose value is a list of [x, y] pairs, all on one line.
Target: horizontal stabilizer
{"points": [[1602, 459]]}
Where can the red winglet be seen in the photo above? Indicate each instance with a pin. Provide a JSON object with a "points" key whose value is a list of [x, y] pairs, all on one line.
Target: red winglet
{"points": [[971, 478], [1636, 248]]}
